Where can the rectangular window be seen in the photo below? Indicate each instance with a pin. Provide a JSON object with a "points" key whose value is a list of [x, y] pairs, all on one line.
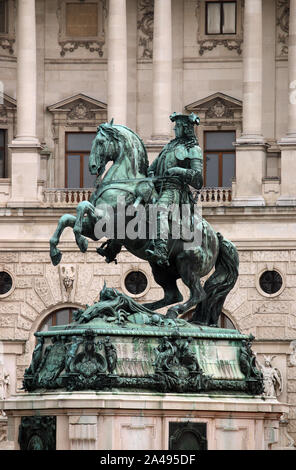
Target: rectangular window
{"points": [[2, 152], [219, 159], [3, 16], [78, 147], [221, 18], [81, 19]]}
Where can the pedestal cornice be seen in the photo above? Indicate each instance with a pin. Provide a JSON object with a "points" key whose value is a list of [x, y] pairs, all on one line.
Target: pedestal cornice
{"points": [[65, 401]]}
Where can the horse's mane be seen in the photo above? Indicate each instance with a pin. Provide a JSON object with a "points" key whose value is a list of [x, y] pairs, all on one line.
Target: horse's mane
{"points": [[129, 140]]}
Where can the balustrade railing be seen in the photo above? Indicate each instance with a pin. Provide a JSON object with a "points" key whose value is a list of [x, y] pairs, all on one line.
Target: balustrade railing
{"points": [[65, 197], [214, 196]]}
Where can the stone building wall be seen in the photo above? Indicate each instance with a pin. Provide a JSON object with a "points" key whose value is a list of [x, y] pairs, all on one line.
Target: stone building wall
{"points": [[265, 238], [38, 290]]}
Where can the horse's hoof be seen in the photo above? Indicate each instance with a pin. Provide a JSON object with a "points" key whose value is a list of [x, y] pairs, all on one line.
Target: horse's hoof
{"points": [[83, 245], [56, 257], [172, 313]]}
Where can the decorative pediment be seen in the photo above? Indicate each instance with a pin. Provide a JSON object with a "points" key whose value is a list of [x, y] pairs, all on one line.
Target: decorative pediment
{"points": [[7, 105], [217, 106], [79, 108], [7, 101]]}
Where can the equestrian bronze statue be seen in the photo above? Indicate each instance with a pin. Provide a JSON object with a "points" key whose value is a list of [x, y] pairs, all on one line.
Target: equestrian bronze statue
{"points": [[165, 183]]}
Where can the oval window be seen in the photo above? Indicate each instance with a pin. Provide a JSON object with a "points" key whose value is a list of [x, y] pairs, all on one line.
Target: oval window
{"points": [[5, 283], [135, 282], [270, 282]]}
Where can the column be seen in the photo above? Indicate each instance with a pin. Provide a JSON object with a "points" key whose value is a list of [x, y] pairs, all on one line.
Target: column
{"points": [[288, 142], [162, 70], [25, 147], [250, 148], [117, 62]]}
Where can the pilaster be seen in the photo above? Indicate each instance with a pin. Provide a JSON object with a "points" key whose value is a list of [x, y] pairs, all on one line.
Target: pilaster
{"points": [[25, 148], [162, 72], [288, 142], [117, 62], [250, 146]]}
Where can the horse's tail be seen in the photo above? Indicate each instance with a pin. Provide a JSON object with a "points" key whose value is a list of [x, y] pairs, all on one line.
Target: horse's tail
{"points": [[219, 284]]}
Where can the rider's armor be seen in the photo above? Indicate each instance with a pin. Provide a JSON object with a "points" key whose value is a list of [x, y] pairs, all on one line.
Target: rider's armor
{"points": [[181, 162]]}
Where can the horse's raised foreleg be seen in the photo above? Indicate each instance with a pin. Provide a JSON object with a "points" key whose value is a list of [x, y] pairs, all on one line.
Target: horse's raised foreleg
{"points": [[66, 220], [85, 222]]}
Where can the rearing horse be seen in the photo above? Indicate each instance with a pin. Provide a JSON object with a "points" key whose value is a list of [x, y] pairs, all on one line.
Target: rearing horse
{"points": [[121, 145]]}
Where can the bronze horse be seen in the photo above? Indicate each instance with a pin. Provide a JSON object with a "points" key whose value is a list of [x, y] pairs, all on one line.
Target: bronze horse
{"points": [[127, 179]]}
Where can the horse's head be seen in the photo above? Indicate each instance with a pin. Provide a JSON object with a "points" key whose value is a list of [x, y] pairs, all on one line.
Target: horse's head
{"points": [[104, 148], [118, 142]]}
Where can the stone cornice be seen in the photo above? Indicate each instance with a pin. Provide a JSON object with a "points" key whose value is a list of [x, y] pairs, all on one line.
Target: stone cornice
{"points": [[44, 214], [33, 245], [202, 403]]}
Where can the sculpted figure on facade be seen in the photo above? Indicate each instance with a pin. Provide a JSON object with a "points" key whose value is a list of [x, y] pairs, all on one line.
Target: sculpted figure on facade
{"points": [[292, 359], [4, 386], [272, 378], [68, 277]]}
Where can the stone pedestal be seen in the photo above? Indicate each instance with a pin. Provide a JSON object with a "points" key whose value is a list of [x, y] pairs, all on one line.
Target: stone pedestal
{"points": [[141, 421]]}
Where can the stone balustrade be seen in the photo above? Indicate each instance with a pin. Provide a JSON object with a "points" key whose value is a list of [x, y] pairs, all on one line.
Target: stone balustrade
{"points": [[66, 197], [215, 196]]}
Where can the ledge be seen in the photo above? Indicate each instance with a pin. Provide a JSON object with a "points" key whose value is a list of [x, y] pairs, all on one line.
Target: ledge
{"points": [[19, 405]]}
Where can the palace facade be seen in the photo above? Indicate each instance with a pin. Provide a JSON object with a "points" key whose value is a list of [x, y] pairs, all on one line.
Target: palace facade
{"points": [[68, 65]]}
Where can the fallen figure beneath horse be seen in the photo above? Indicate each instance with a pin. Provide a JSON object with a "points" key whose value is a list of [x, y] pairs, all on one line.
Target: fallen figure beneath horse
{"points": [[166, 182], [117, 308]]}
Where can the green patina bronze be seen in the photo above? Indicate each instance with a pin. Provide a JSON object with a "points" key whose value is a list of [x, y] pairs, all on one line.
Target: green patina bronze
{"points": [[162, 355], [164, 183], [117, 343], [37, 433]]}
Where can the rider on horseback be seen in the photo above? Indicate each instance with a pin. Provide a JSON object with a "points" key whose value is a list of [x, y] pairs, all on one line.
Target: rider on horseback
{"points": [[181, 162]]}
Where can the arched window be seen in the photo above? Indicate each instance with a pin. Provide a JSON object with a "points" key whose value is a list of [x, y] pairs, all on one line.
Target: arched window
{"points": [[62, 316]]}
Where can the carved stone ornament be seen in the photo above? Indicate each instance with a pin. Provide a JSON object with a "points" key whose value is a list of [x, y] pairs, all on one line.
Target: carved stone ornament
{"points": [[81, 110], [91, 43], [4, 386], [7, 108], [78, 110], [67, 273], [292, 360], [7, 39], [272, 378], [210, 44], [7, 44], [3, 429], [218, 110], [232, 42], [282, 21], [145, 29]]}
